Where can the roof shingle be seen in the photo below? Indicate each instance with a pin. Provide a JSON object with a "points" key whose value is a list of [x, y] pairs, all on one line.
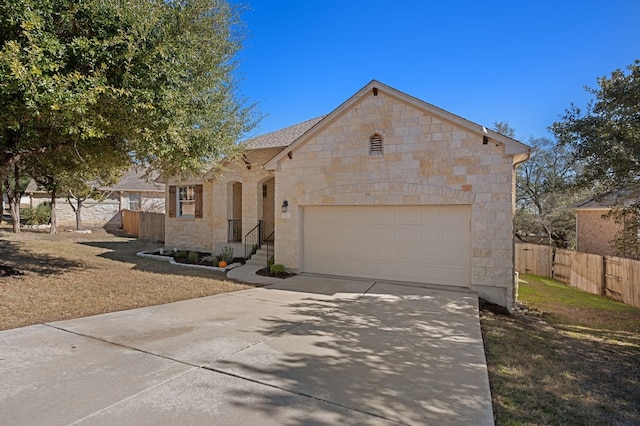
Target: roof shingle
{"points": [[281, 138]]}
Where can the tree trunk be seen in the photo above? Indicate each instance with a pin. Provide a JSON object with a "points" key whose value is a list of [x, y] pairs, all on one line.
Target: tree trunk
{"points": [[14, 206], [1, 202], [78, 211], [54, 219]]}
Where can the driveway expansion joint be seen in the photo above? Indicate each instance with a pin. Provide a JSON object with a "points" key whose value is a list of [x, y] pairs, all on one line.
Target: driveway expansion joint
{"points": [[298, 393], [195, 367]]}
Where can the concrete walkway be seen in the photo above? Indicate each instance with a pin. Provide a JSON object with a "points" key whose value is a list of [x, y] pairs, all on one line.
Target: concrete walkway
{"points": [[307, 350]]}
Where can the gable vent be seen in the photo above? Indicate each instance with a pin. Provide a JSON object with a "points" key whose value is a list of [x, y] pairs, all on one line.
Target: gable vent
{"points": [[375, 144]]}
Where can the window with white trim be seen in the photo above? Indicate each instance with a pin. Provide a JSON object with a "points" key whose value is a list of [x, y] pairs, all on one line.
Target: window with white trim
{"points": [[187, 201], [135, 202]]}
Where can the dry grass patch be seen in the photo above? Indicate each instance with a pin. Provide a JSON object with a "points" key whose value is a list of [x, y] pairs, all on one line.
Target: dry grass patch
{"points": [[580, 365], [75, 275]]}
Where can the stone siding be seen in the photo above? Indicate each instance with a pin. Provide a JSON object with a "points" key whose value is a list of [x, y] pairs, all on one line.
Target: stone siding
{"points": [[101, 213], [211, 232], [93, 213], [426, 161], [594, 233]]}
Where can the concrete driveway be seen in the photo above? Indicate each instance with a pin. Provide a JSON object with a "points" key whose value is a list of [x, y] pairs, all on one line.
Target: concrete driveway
{"points": [[308, 350]]}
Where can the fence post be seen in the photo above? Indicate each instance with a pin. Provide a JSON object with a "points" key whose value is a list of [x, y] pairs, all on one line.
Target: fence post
{"points": [[603, 279]]}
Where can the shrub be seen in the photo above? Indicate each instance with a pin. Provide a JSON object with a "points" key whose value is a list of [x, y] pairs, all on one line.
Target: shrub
{"points": [[40, 215], [226, 254], [193, 256], [276, 268], [181, 254]]}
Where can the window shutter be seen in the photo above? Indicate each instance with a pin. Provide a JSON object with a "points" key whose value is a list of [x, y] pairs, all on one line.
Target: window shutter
{"points": [[172, 201], [198, 194]]}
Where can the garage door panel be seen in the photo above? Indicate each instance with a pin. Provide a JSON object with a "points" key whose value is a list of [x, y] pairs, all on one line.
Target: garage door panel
{"points": [[388, 234], [387, 217], [429, 244], [388, 253], [429, 254], [409, 253], [449, 256], [362, 216], [430, 237], [367, 233], [408, 234], [409, 216]]}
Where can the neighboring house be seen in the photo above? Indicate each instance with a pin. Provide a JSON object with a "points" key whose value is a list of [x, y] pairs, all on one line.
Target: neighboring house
{"points": [[385, 187], [134, 191], [594, 232]]}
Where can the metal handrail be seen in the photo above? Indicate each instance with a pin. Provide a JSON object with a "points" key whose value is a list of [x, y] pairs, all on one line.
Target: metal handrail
{"points": [[253, 239], [234, 230], [270, 238]]}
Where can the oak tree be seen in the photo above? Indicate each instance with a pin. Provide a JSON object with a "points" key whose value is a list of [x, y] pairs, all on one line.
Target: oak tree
{"points": [[148, 81], [605, 142]]}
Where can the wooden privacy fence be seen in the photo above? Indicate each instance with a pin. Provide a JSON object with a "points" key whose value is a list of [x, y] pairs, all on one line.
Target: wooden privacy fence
{"points": [[615, 277], [144, 225]]}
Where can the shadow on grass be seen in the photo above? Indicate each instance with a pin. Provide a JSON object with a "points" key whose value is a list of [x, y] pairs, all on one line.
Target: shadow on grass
{"points": [[126, 251], [16, 256], [543, 374]]}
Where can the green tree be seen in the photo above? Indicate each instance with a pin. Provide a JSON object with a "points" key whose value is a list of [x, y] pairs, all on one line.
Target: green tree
{"points": [[15, 183], [145, 80], [545, 194], [90, 183], [605, 141]]}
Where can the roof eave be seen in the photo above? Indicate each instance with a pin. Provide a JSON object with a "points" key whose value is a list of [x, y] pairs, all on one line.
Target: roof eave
{"points": [[518, 150]]}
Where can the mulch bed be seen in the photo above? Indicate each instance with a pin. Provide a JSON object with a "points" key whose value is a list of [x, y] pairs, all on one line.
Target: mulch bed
{"points": [[265, 272], [485, 305], [199, 261]]}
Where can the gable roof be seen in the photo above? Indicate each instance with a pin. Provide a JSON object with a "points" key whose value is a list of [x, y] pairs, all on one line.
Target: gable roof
{"points": [[281, 138], [139, 179], [136, 179], [513, 147], [604, 202]]}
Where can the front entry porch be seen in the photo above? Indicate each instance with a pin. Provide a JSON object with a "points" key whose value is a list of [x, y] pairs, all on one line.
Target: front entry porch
{"points": [[253, 228]]}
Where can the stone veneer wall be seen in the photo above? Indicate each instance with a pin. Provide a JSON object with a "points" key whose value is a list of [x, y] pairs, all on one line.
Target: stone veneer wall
{"points": [[594, 233], [210, 232], [104, 213], [189, 233], [93, 213], [426, 161]]}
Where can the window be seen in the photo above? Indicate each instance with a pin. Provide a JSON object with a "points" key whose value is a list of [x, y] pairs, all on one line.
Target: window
{"points": [[375, 144], [135, 202], [185, 201]]}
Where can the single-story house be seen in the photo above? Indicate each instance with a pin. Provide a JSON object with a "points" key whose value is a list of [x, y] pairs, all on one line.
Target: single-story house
{"points": [[594, 231], [137, 189], [384, 187]]}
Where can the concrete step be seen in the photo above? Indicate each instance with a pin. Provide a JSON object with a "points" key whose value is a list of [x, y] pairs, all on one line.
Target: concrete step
{"points": [[260, 258], [257, 262]]}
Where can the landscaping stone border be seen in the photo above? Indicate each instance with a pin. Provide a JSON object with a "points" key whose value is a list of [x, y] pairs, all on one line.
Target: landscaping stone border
{"points": [[188, 265]]}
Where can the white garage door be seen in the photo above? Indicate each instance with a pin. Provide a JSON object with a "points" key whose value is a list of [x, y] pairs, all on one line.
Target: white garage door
{"points": [[424, 244]]}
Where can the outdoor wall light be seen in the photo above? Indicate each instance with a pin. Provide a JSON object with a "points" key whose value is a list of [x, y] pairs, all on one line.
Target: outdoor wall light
{"points": [[285, 204]]}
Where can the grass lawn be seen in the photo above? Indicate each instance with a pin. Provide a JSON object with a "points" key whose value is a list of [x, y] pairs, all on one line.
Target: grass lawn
{"points": [[576, 364], [73, 275]]}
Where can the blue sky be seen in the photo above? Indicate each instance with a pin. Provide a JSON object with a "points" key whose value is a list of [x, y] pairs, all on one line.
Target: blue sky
{"points": [[523, 62]]}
